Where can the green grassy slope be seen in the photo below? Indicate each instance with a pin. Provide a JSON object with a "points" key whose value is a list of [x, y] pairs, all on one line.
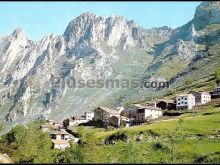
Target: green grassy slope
{"points": [[192, 142]]}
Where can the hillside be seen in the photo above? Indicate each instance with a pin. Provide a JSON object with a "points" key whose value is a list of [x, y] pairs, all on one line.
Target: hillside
{"points": [[193, 138]]}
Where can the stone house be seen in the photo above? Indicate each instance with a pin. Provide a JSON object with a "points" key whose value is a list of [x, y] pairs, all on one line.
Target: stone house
{"points": [[166, 104], [118, 121], [104, 113]]}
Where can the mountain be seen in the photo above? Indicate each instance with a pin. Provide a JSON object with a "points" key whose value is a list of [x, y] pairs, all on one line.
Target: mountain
{"points": [[188, 43], [95, 47]]}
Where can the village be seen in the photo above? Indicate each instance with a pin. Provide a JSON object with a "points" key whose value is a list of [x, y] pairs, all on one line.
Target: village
{"points": [[135, 114]]}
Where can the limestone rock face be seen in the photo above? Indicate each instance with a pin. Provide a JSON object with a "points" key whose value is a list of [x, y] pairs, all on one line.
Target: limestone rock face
{"points": [[88, 29], [12, 49], [207, 13]]}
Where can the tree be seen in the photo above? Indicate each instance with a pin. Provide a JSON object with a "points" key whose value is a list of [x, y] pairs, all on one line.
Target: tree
{"points": [[32, 144], [217, 75], [82, 134], [1, 127], [11, 136], [71, 155]]}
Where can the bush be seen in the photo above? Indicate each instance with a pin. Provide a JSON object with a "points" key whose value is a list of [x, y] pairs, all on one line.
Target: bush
{"points": [[217, 75], [152, 133], [159, 146], [82, 134], [211, 158], [29, 144], [116, 137], [109, 128], [71, 155]]}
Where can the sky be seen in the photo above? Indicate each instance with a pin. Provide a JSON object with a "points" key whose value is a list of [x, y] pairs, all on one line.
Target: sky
{"points": [[38, 19]]}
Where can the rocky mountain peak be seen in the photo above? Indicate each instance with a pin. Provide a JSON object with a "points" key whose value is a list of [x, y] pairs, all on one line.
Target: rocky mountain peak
{"points": [[208, 12], [89, 29], [87, 15], [18, 32], [210, 4]]}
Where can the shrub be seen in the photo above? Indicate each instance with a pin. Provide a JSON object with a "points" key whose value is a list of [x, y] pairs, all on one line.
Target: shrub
{"points": [[82, 134], [210, 158], [71, 155], [116, 137], [29, 144], [217, 75], [109, 128], [152, 133], [159, 146]]}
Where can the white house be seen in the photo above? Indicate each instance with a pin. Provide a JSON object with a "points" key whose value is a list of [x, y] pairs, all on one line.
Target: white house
{"points": [[76, 120], [60, 144], [185, 101], [146, 113], [152, 112], [201, 97], [141, 113], [89, 115]]}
